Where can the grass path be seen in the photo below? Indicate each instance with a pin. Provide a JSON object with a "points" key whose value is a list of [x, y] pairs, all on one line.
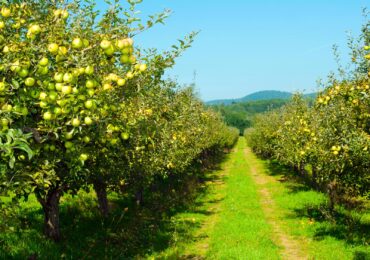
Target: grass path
{"points": [[290, 247], [254, 209]]}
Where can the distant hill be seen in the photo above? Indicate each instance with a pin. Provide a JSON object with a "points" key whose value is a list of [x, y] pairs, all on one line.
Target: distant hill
{"points": [[257, 96]]}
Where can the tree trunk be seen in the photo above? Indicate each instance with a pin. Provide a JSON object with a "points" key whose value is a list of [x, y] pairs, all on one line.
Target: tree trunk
{"points": [[139, 197], [333, 195], [50, 206], [302, 170], [314, 177], [101, 192]]}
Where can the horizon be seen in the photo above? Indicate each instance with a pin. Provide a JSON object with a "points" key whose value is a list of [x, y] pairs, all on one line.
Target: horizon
{"points": [[285, 46]]}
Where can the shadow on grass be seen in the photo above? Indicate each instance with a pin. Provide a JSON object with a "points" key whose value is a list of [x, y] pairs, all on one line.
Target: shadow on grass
{"points": [[131, 231], [338, 224], [341, 224], [287, 176]]}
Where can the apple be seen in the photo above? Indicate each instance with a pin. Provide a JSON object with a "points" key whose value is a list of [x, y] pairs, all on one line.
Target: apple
{"points": [[35, 29], [81, 97], [58, 111], [114, 141], [132, 59], [24, 111], [43, 104], [88, 120], [44, 61], [83, 157], [91, 92], [143, 67], [62, 50], [105, 44], [5, 12], [64, 14], [127, 50], [7, 107], [43, 96], [59, 86], [2, 25], [121, 82], [124, 136], [107, 86], [124, 59], [110, 50], [58, 77], [129, 75], [76, 122], [90, 83], [4, 122], [89, 70], [86, 139], [52, 148], [29, 82], [67, 90], [68, 145], [68, 136], [120, 44], [47, 116], [23, 72], [89, 104], [57, 12], [53, 95], [43, 70], [77, 43], [53, 48], [68, 77]]}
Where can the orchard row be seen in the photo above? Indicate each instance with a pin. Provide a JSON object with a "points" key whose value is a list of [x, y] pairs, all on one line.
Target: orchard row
{"points": [[82, 107], [329, 141]]}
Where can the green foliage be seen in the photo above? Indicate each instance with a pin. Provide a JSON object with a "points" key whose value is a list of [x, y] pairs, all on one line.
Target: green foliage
{"points": [[96, 106], [241, 115], [259, 96], [331, 137]]}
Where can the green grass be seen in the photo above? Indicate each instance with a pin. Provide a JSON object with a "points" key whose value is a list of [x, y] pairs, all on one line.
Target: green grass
{"points": [[304, 213], [220, 218], [242, 231]]}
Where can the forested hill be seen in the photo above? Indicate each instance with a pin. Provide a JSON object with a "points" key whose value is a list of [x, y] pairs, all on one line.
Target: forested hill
{"points": [[261, 95], [240, 115]]}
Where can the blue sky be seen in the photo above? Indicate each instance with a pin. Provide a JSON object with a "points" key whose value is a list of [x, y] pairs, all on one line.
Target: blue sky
{"points": [[246, 46]]}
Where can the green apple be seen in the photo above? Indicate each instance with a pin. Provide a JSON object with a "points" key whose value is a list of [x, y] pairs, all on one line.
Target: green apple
{"points": [[53, 48], [47, 116], [5, 12], [76, 122], [43, 96], [44, 61], [88, 120], [23, 72], [89, 104], [68, 145], [105, 44], [90, 83], [67, 90], [68, 77], [58, 77], [83, 157], [77, 43], [89, 70], [29, 82]]}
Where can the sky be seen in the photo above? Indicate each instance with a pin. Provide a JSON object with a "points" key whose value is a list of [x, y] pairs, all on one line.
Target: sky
{"points": [[246, 46]]}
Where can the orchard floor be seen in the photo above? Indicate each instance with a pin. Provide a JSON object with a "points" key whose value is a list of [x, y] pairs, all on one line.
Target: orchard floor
{"points": [[247, 209]]}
